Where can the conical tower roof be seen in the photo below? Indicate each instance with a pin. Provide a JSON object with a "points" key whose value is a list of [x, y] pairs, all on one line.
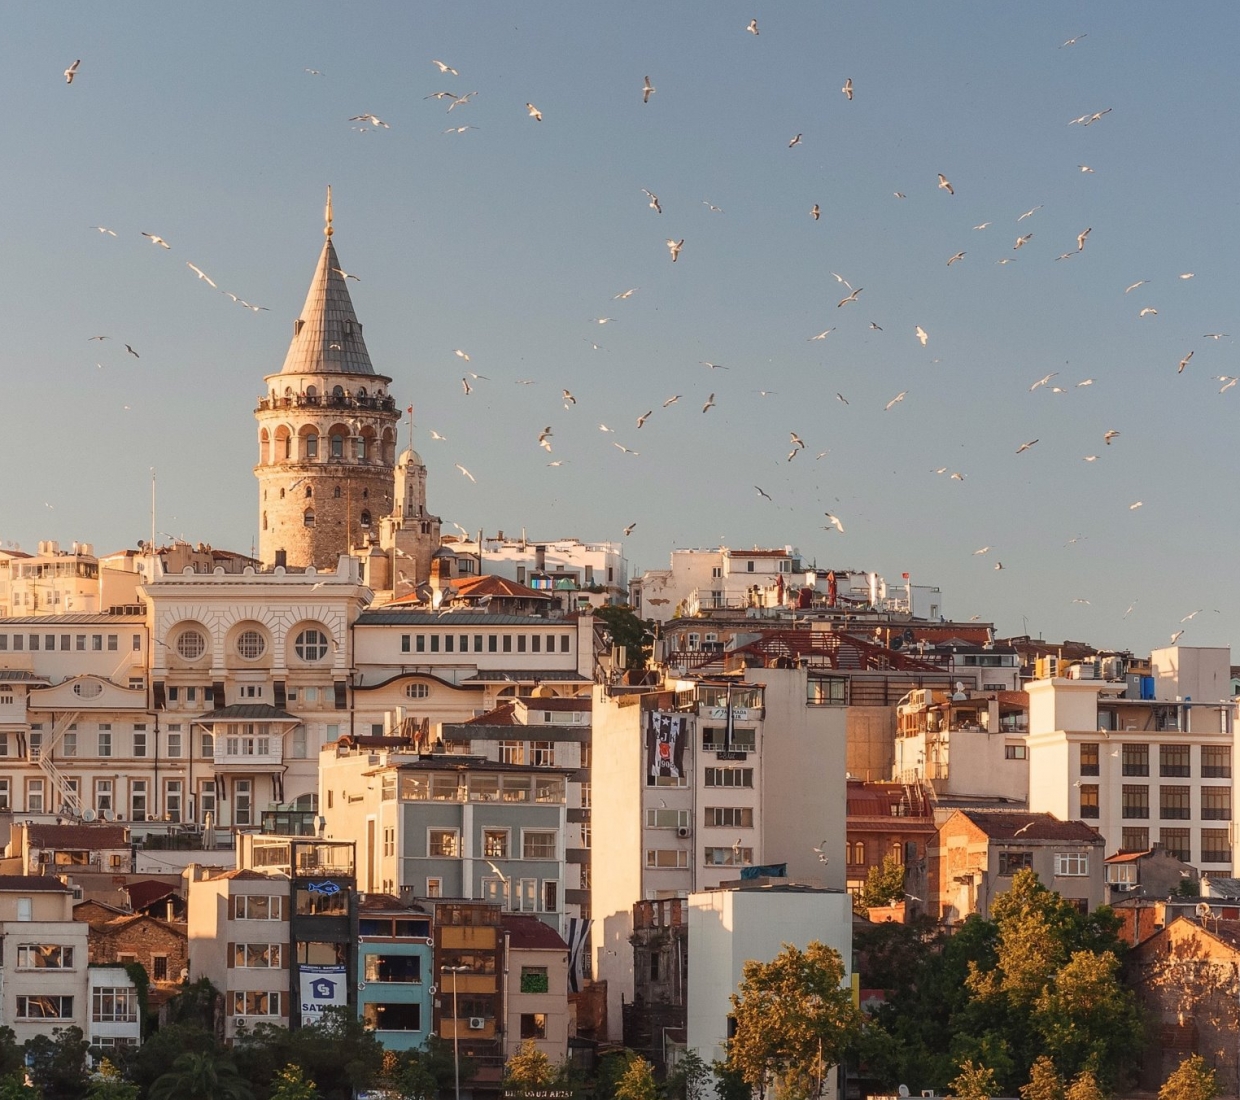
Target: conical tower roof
{"points": [[327, 337]]}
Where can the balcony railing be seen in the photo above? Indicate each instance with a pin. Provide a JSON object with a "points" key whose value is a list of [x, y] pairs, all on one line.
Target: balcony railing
{"points": [[328, 401], [256, 752]]}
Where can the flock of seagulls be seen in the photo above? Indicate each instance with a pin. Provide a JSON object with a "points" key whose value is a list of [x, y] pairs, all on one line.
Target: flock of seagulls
{"points": [[544, 439]]}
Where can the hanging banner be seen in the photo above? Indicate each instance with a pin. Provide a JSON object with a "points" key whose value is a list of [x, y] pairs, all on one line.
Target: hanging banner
{"points": [[578, 933], [321, 987], [665, 745]]}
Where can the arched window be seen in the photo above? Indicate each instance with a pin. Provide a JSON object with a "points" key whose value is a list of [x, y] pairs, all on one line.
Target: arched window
{"points": [[365, 519], [337, 446], [365, 494], [312, 446], [311, 645], [417, 691], [281, 494], [360, 442], [191, 644], [264, 521], [337, 391], [312, 391], [309, 491], [251, 645], [336, 492], [288, 447], [307, 518]]}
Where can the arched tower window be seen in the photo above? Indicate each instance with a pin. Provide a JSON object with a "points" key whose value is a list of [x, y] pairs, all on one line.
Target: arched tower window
{"points": [[337, 446], [312, 446], [264, 447], [336, 492], [264, 521], [307, 518], [360, 441], [281, 494], [309, 491], [365, 519]]}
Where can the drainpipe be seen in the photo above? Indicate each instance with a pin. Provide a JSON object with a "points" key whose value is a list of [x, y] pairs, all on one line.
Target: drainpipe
{"points": [[504, 1041]]}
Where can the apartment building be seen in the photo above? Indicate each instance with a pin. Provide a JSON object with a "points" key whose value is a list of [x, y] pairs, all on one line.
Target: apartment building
{"points": [[706, 779], [395, 953], [536, 976], [1146, 761], [975, 853], [445, 825], [576, 572]]}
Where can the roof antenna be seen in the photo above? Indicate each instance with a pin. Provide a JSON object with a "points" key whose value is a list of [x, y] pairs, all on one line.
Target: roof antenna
{"points": [[327, 214]]}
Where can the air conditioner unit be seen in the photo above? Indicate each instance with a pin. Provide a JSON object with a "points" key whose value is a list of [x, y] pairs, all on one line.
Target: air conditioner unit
{"points": [[477, 1023], [683, 831]]}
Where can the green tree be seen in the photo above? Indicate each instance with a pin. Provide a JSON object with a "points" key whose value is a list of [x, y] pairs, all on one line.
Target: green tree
{"points": [[291, 1084], [1045, 1083], [337, 1053], [690, 1079], [13, 1087], [1192, 1079], [637, 1082], [201, 1077], [57, 1063], [1084, 1086], [529, 1068], [108, 1083], [974, 1082], [628, 630], [885, 884], [793, 1020], [12, 1060]]}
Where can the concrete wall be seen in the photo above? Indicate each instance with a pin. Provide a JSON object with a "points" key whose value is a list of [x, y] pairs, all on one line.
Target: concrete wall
{"points": [[871, 742]]}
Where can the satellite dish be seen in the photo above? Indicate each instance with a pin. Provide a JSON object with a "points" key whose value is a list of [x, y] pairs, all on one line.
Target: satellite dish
{"points": [[108, 815], [88, 814], [1203, 910], [903, 1090]]}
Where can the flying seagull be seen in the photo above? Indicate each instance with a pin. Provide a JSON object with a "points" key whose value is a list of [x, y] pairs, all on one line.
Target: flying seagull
{"points": [[201, 274], [444, 68], [654, 201], [1025, 446], [896, 400], [710, 403], [71, 71], [945, 184], [763, 493], [1184, 362], [629, 529], [921, 335], [157, 240], [466, 472], [847, 89], [674, 247], [753, 26], [534, 112], [835, 522], [648, 90], [851, 298]]}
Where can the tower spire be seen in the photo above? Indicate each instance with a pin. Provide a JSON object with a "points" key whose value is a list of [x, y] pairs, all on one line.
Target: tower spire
{"points": [[327, 214]]}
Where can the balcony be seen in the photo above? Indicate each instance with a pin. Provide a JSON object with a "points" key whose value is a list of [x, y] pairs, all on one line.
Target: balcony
{"points": [[328, 401], [249, 753]]}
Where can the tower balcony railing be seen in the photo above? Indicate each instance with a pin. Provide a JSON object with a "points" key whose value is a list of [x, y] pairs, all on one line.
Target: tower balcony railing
{"points": [[327, 401]]}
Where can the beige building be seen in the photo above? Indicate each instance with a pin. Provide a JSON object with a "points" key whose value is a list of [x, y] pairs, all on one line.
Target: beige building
{"points": [[1145, 760], [703, 780], [975, 854], [537, 987]]}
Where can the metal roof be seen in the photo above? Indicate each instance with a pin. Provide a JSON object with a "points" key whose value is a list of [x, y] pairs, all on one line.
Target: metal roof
{"points": [[525, 675], [93, 619], [248, 712], [328, 337], [395, 616]]}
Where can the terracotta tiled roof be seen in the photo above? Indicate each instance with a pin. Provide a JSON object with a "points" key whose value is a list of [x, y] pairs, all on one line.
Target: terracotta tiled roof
{"points": [[500, 716], [1127, 857], [490, 584], [63, 837], [1013, 824], [532, 934], [148, 892]]}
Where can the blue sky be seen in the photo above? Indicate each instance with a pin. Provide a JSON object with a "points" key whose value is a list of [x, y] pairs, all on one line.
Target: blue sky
{"points": [[200, 124]]}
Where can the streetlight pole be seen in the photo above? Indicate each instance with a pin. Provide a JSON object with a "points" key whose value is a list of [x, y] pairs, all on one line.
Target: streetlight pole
{"points": [[456, 1025]]}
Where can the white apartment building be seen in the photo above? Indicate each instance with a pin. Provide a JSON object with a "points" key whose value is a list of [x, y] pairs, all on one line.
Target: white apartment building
{"points": [[1146, 761], [733, 579], [691, 799], [729, 927], [595, 573]]}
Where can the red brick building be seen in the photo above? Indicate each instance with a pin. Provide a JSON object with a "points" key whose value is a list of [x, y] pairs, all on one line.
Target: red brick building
{"points": [[885, 819]]}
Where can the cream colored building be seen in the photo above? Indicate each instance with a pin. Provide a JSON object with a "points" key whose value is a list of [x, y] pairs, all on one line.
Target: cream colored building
{"points": [[684, 809], [1144, 764], [536, 959]]}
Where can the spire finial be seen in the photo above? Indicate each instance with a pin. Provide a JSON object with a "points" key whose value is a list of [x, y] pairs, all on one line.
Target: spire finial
{"points": [[327, 214]]}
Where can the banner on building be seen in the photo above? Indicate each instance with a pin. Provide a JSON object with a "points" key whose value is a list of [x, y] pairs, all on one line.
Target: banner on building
{"points": [[321, 987], [578, 934], [665, 745]]}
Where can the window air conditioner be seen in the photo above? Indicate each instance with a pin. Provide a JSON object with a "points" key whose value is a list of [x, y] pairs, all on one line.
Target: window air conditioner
{"points": [[683, 831], [477, 1023]]}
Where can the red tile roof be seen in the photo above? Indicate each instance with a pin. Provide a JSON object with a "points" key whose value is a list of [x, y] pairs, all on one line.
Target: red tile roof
{"points": [[489, 584], [502, 715], [34, 884], [148, 892], [62, 837], [531, 934], [1011, 824]]}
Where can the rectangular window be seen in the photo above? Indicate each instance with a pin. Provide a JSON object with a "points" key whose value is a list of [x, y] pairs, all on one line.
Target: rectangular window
{"points": [[668, 819], [420, 643], [1215, 846], [565, 643], [1136, 760], [535, 643], [36, 744], [392, 968], [507, 643], [6, 795], [1011, 862], [105, 742], [512, 752], [1014, 752], [389, 832], [45, 1008], [173, 796], [135, 643], [68, 745], [174, 744], [542, 754], [1135, 800], [729, 777], [137, 800], [65, 646], [1134, 840], [448, 640], [1089, 800], [1089, 758], [492, 643], [34, 796], [731, 817], [255, 1004], [405, 643], [538, 845], [96, 643], [243, 801], [1071, 863], [159, 967], [4, 744], [586, 795], [736, 856], [1216, 803], [112, 641], [377, 1016], [18, 639], [1215, 761], [551, 895], [1173, 803], [34, 641], [533, 1025], [257, 956], [434, 887], [139, 742], [259, 907], [443, 843], [520, 643], [103, 796], [534, 979], [714, 738], [495, 843], [826, 691], [1173, 760], [114, 1005], [44, 956], [666, 858], [1177, 843]]}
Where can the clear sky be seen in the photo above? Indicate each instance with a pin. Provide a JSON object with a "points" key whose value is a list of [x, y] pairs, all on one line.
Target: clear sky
{"points": [[201, 124]]}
